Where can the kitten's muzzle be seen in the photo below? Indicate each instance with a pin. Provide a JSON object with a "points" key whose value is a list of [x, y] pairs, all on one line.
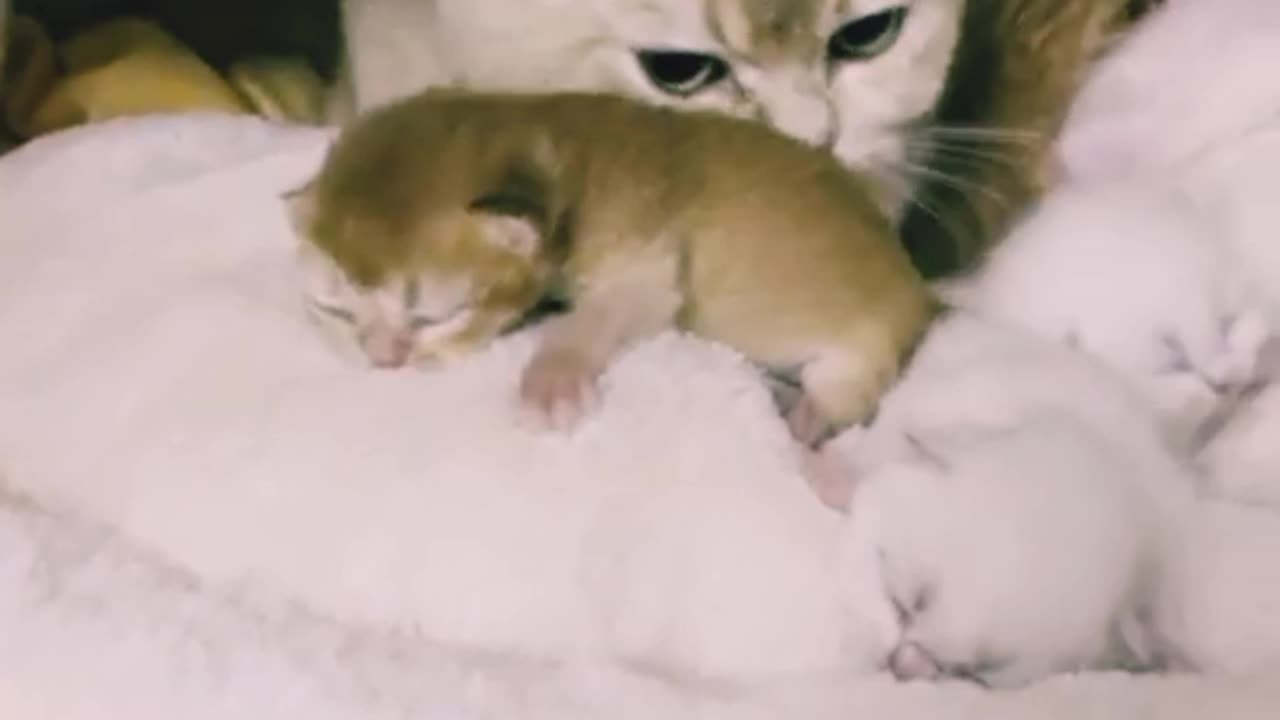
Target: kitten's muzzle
{"points": [[387, 349], [909, 661]]}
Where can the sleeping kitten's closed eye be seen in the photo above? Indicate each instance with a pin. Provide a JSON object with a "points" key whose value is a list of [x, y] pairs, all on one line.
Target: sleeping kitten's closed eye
{"points": [[475, 274], [406, 321]]}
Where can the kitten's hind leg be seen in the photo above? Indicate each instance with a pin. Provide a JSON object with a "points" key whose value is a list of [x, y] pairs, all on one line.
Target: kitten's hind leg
{"points": [[841, 388]]}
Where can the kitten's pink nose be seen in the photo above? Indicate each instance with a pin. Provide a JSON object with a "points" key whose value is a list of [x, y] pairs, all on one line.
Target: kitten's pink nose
{"points": [[909, 661], [387, 349]]}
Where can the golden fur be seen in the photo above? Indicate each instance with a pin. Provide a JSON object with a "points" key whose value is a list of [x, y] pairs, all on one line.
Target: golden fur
{"points": [[1019, 66], [643, 217]]}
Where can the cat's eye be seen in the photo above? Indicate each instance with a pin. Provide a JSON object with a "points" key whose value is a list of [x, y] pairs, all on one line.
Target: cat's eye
{"points": [[976, 671], [335, 312], [867, 36], [682, 73], [418, 322]]}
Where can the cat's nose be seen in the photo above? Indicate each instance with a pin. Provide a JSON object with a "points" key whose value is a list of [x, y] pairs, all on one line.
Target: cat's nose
{"points": [[813, 124], [387, 350], [909, 661], [797, 105]]}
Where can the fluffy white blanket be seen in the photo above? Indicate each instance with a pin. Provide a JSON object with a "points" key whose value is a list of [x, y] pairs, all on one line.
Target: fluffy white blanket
{"points": [[206, 515]]}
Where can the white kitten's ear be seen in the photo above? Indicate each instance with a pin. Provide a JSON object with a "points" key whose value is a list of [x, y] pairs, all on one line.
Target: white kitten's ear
{"points": [[300, 205]]}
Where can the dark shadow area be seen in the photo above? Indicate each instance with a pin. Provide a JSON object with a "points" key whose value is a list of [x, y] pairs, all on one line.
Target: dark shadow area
{"points": [[220, 31]]}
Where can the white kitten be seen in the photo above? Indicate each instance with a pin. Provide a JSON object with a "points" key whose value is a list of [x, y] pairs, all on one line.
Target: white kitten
{"points": [[1137, 276], [1159, 251], [1017, 503], [1194, 73], [849, 74]]}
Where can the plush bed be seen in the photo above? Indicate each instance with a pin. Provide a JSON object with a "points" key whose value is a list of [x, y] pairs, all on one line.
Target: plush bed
{"points": [[206, 513]]}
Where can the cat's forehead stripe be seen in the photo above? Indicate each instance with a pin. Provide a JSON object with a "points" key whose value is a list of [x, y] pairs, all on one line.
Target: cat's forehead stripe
{"points": [[767, 28]]}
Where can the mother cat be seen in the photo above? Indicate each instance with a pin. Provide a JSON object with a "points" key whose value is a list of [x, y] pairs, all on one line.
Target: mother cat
{"points": [[881, 82]]}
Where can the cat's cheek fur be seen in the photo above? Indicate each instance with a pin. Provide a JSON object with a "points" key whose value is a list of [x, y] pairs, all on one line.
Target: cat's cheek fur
{"points": [[873, 100], [457, 343], [339, 337]]}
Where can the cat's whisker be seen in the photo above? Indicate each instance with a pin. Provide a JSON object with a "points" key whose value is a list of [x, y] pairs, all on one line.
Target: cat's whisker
{"points": [[964, 152], [953, 182], [979, 133], [943, 222]]}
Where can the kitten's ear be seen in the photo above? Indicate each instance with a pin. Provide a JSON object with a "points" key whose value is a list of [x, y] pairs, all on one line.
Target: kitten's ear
{"points": [[513, 233], [300, 205], [515, 211]]}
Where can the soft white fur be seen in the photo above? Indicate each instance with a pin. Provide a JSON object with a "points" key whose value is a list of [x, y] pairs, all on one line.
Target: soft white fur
{"points": [[1159, 252], [96, 628], [397, 47], [1018, 503], [1136, 276], [240, 525], [1197, 73]]}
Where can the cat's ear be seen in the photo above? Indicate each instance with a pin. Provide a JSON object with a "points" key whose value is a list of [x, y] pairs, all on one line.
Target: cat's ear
{"points": [[301, 206], [515, 211]]}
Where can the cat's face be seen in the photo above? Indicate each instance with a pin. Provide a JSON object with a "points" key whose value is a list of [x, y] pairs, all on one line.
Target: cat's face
{"points": [[1001, 571], [851, 75], [470, 277]]}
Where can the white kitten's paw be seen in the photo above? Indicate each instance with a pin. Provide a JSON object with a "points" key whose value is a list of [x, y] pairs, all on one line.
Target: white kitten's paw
{"points": [[558, 389]]}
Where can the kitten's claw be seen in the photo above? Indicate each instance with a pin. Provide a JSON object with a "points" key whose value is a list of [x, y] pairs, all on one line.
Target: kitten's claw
{"points": [[557, 390]]}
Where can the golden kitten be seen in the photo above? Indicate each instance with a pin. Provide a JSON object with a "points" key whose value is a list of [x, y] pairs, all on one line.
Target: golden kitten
{"points": [[438, 222]]}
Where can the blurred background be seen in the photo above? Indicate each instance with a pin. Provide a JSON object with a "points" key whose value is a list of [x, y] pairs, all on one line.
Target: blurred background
{"points": [[220, 31]]}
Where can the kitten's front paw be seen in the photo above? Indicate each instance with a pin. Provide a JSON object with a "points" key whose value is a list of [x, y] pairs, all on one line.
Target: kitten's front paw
{"points": [[558, 389]]}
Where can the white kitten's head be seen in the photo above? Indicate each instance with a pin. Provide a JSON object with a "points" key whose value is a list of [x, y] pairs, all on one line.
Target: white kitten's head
{"points": [[853, 75], [1193, 73], [1009, 555], [1137, 278]]}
